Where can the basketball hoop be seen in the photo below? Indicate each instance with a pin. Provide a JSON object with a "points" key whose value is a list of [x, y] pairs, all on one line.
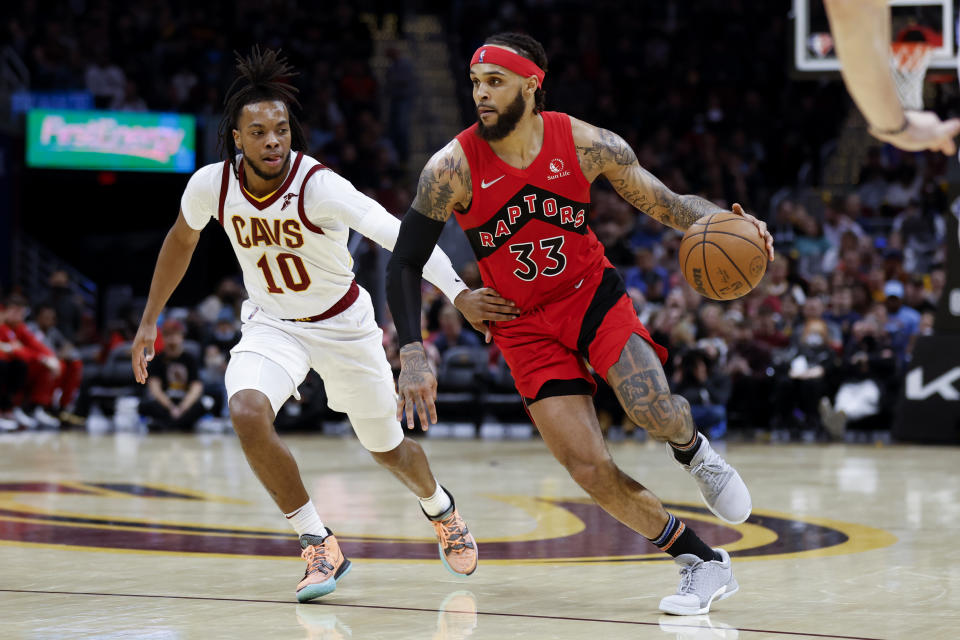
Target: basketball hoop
{"points": [[909, 62]]}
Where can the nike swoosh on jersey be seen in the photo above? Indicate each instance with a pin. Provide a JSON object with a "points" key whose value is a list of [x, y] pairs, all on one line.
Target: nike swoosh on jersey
{"points": [[484, 184]]}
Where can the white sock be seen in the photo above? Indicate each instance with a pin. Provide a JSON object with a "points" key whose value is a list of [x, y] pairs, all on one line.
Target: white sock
{"points": [[437, 503], [306, 520]]}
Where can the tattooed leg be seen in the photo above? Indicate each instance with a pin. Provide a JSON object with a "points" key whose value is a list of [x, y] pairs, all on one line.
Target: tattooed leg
{"points": [[641, 386], [570, 429]]}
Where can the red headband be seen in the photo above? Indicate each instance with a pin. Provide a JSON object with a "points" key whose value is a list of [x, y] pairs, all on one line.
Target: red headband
{"points": [[508, 60]]}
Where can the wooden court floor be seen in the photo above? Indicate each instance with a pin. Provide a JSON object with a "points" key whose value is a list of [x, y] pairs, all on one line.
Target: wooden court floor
{"points": [[171, 537]]}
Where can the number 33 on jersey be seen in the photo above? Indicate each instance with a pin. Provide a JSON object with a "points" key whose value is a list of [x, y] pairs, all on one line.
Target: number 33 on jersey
{"points": [[528, 227]]}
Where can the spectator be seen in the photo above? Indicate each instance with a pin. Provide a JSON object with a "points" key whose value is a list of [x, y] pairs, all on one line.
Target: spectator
{"points": [[836, 223], [916, 295], [841, 312], [647, 277], [43, 367], [869, 378], [712, 330], [67, 306], [613, 221], [225, 333], [902, 321], [213, 375], [229, 296], [748, 365], [905, 189], [810, 244], [921, 233], [938, 280], [451, 332], [13, 378], [67, 384], [803, 378], [174, 388], [707, 389], [105, 80], [401, 90], [766, 331], [814, 309], [777, 285]]}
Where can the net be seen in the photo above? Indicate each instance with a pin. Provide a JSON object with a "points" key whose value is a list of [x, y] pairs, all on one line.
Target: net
{"points": [[909, 62]]}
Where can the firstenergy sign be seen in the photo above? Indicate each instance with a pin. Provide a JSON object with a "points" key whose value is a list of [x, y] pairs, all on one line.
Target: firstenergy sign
{"points": [[116, 141]]}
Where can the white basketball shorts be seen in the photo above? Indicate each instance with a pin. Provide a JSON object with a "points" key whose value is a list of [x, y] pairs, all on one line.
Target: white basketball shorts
{"points": [[346, 350]]}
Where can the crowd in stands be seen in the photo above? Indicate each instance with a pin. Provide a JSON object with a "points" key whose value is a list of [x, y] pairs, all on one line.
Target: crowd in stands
{"points": [[821, 343], [178, 56], [40, 368]]}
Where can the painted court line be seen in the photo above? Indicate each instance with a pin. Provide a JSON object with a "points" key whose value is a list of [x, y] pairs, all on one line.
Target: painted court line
{"points": [[679, 620]]}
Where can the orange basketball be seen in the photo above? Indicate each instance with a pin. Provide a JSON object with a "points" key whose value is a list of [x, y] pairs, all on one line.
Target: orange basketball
{"points": [[723, 256]]}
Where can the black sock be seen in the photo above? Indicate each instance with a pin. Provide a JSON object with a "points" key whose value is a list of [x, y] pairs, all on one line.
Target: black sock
{"points": [[685, 452], [678, 539]]}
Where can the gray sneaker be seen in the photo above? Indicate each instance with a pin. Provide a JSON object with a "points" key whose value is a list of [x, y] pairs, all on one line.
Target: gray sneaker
{"points": [[721, 487], [701, 583], [834, 422]]}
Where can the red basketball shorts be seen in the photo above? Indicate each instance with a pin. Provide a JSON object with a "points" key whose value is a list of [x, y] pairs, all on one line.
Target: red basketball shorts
{"points": [[550, 344]]}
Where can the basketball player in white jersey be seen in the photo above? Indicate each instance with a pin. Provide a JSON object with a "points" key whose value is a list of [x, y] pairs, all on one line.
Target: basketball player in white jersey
{"points": [[288, 218], [861, 33]]}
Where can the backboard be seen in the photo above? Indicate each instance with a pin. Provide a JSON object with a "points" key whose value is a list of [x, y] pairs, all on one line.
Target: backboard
{"points": [[813, 44]]}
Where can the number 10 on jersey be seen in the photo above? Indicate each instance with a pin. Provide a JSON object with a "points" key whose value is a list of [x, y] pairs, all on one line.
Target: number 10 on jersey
{"points": [[284, 260]]}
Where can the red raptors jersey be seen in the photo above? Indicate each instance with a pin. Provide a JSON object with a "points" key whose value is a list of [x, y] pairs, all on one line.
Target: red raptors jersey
{"points": [[528, 227]]}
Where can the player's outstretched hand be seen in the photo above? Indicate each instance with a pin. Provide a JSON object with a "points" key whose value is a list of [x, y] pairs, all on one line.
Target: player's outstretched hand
{"points": [[485, 305], [761, 227], [144, 340], [417, 387], [925, 132]]}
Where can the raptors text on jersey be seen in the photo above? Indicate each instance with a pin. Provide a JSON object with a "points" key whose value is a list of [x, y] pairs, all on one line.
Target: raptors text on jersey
{"points": [[528, 227]]}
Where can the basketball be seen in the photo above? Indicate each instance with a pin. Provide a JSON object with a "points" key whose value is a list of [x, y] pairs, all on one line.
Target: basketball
{"points": [[723, 256]]}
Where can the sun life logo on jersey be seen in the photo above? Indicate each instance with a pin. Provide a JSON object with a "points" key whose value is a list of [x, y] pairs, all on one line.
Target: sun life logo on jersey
{"points": [[556, 165]]}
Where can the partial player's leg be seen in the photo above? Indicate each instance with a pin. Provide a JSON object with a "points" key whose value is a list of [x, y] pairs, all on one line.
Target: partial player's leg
{"points": [[257, 387], [641, 386], [408, 462], [349, 357], [269, 458], [571, 431], [569, 426]]}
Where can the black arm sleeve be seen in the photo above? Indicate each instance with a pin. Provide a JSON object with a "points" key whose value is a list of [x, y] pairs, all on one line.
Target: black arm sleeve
{"points": [[415, 242]]}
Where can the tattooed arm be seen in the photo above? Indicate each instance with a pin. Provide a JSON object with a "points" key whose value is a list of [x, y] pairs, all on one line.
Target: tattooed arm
{"points": [[444, 187], [602, 152]]}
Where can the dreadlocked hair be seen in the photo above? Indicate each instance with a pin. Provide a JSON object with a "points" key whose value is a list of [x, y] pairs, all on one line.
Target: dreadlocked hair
{"points": [[531, 49], [263, 77]]}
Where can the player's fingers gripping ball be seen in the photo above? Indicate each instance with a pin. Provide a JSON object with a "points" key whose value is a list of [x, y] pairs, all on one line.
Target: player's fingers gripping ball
{"points": [[723, 256]]}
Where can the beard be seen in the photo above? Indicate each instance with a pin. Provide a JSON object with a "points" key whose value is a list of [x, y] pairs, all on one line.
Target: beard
{"points": [[506, 121], [263, 174]]}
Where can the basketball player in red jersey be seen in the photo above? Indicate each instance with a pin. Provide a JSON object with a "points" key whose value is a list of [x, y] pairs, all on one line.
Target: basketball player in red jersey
{"points": [[519, 183]]}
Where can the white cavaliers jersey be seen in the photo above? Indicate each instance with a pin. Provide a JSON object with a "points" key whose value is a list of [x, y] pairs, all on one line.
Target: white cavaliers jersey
{"points": [[291, 245]]}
